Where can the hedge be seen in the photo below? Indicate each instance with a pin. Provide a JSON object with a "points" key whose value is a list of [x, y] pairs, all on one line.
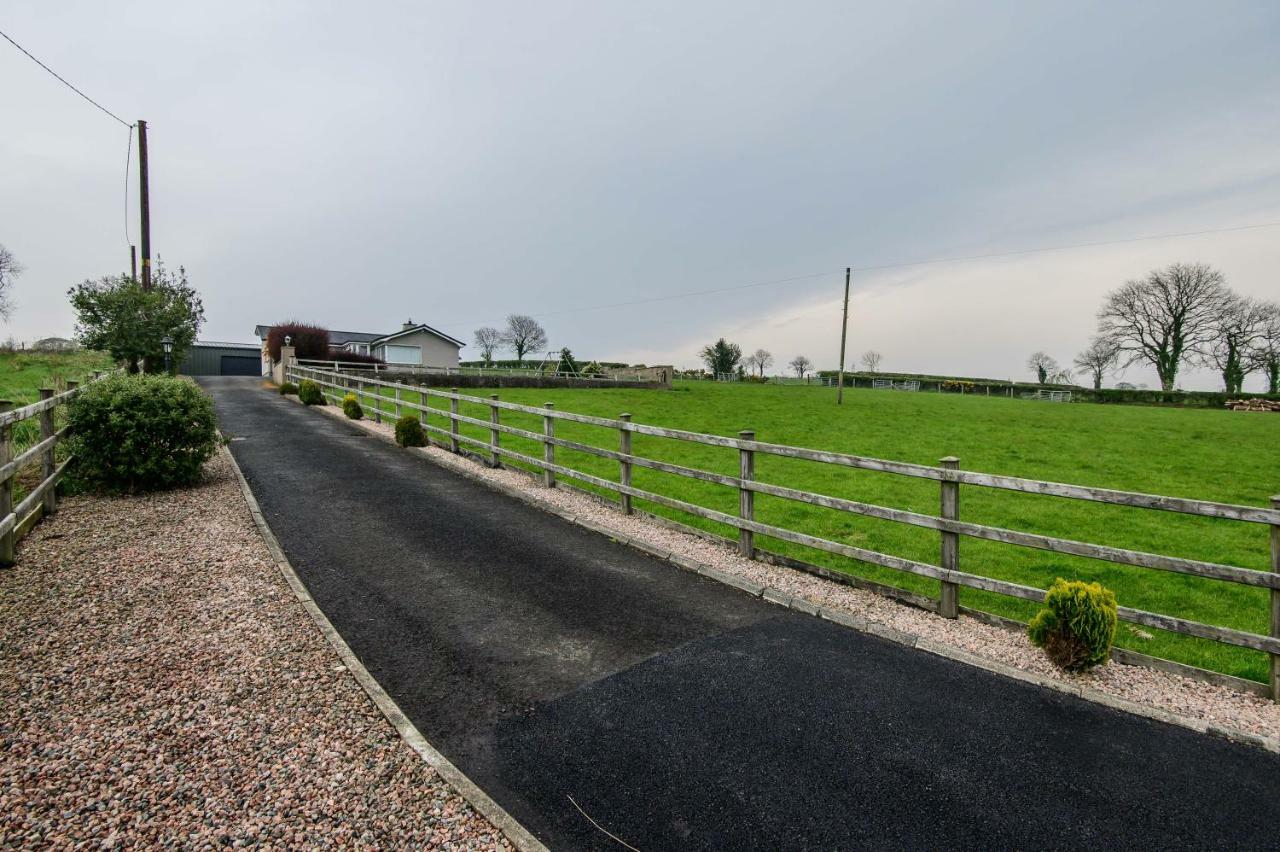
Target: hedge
{"points": [[141, 432]]}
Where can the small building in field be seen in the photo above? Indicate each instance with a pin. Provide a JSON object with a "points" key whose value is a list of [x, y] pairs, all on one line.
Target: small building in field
{"points": [[416, 344], [209, 358]]}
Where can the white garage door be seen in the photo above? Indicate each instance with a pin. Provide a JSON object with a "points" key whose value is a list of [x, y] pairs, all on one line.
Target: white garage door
{"points": [[403, 354]]}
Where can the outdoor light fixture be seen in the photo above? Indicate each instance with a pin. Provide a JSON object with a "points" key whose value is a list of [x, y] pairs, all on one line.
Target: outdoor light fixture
{"points": [[288, 340], [167, 343]]}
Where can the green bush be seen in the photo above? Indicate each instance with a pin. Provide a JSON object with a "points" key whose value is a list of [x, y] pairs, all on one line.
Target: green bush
{"points": [[288, 388], [409, 432], [1076, 626], [141, 432], [351, 407], [309, 393]]}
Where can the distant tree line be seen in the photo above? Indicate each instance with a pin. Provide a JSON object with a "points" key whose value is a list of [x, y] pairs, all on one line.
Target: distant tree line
{"points": [[1182, 315], [522, 335]]}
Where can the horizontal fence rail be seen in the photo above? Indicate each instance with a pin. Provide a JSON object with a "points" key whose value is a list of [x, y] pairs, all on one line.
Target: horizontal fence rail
{"points": [[42, 499], [423, 369], [948, 524]]}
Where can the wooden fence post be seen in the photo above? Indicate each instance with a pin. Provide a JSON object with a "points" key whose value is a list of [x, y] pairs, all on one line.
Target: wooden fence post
{"points": [[746, 499], [495, 439], [548, 448], [949, 597], [6, 488], [399, 410], [453, 420], [624, 474], [46, 458], [377, 397], [1275, 603]]}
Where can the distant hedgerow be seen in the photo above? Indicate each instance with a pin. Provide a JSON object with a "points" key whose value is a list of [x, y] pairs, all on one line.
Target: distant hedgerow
{"points": [[351, 407], [1077, 625]]}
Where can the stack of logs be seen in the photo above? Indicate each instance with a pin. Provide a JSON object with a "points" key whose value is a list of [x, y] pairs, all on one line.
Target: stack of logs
{"points": [[1254, 405]]}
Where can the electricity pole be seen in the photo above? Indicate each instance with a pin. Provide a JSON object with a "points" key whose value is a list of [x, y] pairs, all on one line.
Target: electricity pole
{"points": [[145, 203], [844, 333]]}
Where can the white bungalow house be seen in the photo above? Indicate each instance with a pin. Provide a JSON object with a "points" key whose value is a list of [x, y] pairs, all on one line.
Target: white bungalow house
{"points": [[415, 343]]}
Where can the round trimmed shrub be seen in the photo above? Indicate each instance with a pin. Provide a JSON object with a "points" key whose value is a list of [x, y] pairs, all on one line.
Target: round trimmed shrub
{"points": [[409, 432], [1077, 625], [288, 388], [351, 407], [309, 393], [141, 432]]}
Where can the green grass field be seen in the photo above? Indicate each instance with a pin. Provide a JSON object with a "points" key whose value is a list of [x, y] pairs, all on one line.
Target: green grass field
{"points": [[1224, 456], [22, 374]]}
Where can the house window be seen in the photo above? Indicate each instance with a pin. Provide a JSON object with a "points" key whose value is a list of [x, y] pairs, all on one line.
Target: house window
{"points": [[402, 354]]}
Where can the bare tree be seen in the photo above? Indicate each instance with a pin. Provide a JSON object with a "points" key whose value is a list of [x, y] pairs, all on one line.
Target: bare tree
{"points": [[1099, 360], [523, 335], [1165, 319], [1044, 366], [1238, 327], [762, 359], [801, 365], [871, 360], [1266, 350], [10, 269], [489, 340]]}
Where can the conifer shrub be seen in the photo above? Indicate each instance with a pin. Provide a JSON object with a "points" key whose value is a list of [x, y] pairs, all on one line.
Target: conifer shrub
{"points": [[288, 388], [309, 393], [1077, 626], [409, 432], [351, 407]]}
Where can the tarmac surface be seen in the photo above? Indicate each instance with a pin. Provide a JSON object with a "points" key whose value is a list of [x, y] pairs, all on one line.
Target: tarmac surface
{"points": [[590, 688]]}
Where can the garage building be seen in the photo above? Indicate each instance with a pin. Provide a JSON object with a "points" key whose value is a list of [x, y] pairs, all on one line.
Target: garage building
{"points": [[206, 358]]}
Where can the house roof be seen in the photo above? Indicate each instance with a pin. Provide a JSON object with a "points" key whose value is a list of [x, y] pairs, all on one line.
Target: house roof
{"points": [[419, 327], [341, 338]]}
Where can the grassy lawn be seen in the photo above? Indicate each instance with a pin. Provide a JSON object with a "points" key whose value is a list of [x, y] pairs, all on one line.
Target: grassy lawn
{"points": [[22, 374], [1224, 456]]}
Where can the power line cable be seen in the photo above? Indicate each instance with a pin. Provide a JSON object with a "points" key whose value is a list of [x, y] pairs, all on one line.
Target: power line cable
{"points": [[896, 265], [128, 151], [63, 80]]}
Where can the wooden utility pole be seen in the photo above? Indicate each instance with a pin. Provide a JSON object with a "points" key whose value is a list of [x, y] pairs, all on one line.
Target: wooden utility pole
{"points": [[145, 203], [844, 334]]}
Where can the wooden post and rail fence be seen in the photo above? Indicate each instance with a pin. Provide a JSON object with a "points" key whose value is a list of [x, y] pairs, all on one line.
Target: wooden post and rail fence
{"points": [[947, 522], [42, 499]]}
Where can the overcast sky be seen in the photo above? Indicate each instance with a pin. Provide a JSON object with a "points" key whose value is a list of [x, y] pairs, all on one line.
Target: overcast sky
{"points": [[355, 165]]}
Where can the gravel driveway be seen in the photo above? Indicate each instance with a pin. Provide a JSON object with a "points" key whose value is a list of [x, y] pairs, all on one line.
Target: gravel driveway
{"points": [[160, 685]]}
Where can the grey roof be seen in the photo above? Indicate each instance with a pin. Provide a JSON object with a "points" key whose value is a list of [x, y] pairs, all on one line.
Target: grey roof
{"points": [[220, 344], [341, 338], [336, 338], [419, 327]]}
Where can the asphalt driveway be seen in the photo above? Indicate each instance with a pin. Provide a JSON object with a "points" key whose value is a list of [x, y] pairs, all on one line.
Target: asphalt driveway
{"points": [[566, 673]]}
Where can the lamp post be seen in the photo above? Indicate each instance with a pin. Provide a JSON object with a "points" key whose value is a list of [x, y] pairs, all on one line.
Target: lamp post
{"points": [[167, 343]]}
